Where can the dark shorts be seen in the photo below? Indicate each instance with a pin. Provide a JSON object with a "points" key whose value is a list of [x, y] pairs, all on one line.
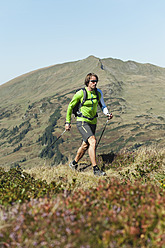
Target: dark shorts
{"points": [[86, 130]]}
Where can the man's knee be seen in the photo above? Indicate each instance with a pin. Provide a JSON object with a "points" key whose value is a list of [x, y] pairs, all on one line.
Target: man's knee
{"points": [[92, 141], [84, 146]]}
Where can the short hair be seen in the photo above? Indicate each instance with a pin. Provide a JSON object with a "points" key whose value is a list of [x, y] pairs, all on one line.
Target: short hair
{"points": [[88, 77]]}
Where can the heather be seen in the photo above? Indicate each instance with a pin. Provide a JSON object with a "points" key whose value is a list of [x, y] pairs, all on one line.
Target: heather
{"points": [[55, 207]]}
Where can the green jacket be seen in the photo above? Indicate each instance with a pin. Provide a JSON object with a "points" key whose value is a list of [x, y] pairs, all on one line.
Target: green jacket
{"points": [[89, 108]]}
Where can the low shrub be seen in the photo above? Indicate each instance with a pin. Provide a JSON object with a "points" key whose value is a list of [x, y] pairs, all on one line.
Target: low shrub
{"points": [[17, 186], [113, 214], [126, 211]]}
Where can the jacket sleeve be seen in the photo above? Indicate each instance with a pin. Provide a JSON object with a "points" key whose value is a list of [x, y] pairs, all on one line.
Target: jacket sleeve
{"points": [[103, 106], [76, 98]]}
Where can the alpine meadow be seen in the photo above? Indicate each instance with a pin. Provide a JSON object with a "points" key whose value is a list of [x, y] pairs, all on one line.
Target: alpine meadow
{"points": [[45, 204]]}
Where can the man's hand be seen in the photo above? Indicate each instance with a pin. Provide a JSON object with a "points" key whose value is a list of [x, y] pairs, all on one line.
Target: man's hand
{"points": [[110, 116], [67, 127]]}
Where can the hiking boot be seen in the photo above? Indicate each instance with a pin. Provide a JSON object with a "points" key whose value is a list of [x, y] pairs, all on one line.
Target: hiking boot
{"points": [[73, 165], [98, 172]]}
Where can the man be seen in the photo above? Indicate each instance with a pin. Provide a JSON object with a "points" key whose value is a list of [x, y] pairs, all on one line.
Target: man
{"points": [[87, 120]]}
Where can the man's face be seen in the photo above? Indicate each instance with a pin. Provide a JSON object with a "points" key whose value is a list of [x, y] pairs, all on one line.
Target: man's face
{"points": [[92, 83]]}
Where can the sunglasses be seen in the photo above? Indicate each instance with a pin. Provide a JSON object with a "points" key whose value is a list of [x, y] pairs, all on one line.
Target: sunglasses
{"points": [[93, 81]]}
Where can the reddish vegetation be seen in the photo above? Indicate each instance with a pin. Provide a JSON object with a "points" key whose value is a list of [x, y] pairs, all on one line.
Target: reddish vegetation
{"points": [[114, 214]]}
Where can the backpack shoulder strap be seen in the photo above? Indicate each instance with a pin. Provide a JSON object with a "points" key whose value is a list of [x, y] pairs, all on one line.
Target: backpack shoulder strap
{"points": [[97, 94], [98, 98], [84, 97]]}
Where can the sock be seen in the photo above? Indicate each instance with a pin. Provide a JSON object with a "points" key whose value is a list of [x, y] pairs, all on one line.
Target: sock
{"points": [[74, 162]]}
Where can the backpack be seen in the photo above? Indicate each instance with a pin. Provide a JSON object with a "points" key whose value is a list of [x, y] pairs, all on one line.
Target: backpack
{"points": [[76, 109]]}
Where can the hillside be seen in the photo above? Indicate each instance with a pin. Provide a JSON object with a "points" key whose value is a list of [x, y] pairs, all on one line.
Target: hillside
{"points": [[33, 108]]}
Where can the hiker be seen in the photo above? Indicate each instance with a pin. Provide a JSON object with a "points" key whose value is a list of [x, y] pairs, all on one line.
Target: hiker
{"points": [[87, 120]]}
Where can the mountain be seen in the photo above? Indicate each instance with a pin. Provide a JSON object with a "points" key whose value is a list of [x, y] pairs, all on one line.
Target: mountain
{"points": [[33, 108]]}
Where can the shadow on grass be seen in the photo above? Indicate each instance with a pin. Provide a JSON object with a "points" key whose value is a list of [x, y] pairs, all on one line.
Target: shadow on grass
{"points": [[102, 159]]}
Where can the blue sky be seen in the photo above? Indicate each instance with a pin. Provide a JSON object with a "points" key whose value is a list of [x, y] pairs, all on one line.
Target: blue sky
{"points": [[39, 33]]}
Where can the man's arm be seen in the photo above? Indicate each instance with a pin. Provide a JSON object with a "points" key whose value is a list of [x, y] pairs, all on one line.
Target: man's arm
{"points": [[104, 107]]}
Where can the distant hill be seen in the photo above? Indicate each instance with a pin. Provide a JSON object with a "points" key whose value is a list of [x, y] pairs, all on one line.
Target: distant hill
{"points": [[33, 108]]}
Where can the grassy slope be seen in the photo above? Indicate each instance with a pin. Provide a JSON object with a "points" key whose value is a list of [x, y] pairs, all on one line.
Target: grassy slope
{"points": [[149, 159]]}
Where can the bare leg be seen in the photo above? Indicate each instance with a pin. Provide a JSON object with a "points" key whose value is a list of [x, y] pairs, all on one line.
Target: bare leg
{"points": [[81, 151], [92, 149]]}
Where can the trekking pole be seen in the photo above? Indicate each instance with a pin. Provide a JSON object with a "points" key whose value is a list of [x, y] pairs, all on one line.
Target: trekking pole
{"points": [[56, 139], [102, 133]]}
